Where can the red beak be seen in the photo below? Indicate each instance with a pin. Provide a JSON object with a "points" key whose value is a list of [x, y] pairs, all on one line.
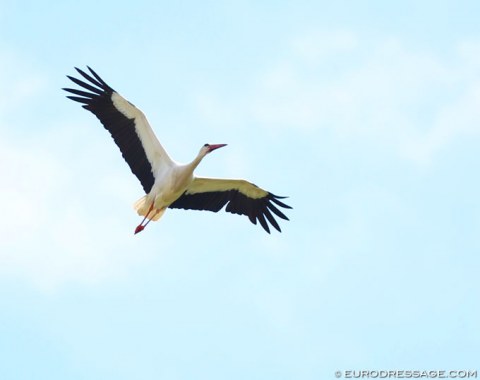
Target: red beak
{"points": [[216, 146]]}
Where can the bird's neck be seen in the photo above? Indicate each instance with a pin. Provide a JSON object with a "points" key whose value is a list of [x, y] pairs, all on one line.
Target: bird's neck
{"points": [[184, 173], [196, 161]]}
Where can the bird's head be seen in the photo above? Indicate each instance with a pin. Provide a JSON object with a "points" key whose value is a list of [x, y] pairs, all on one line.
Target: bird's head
{"points": [[207, 148]]}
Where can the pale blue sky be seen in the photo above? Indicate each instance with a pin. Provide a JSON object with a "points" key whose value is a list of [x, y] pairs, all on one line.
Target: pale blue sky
{"points": [[365, 113]]}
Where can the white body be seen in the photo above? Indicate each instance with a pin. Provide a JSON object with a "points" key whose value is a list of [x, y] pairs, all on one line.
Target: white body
{"points": [[167, 183]]}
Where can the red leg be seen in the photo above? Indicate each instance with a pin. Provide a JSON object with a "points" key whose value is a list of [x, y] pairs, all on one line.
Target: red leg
{"points": [[140, 227], [149, 220]]}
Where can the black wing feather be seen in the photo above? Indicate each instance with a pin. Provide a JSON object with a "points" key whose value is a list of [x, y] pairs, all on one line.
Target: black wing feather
{"points": [[97, 83], [237, 203], [99, 101]]}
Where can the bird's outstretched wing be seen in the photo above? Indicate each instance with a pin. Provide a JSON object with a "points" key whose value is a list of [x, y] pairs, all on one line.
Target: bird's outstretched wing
{"points": [[240, 196], [126, 123]]}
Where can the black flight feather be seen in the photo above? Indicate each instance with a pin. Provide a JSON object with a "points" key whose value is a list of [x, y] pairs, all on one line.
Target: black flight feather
{"points": [[237, 203], [122, 129]]}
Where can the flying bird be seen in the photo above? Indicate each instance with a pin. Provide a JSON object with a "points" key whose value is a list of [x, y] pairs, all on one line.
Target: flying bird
{"points": [[168, 184]]}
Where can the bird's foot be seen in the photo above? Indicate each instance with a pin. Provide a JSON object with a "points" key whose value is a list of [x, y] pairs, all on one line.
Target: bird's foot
{"points": [[139, 229]]}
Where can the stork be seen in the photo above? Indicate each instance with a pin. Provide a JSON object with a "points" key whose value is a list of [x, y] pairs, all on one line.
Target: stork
{"points": [[166, 183]]}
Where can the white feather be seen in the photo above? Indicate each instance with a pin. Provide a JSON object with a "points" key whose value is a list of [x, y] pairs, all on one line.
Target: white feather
{"points": [[154, 151], [204, 185]]}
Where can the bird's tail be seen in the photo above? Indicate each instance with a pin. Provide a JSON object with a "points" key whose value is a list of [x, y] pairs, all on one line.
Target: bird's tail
{"points": [[142, 206]]}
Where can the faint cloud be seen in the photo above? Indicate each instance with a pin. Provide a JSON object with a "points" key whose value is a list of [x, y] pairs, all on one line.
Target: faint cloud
{"points": [[411, 102], [459, 118], [213, 109], [18, 81], [469, 51], [56, 227], [52, 230], [315, 45]]}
